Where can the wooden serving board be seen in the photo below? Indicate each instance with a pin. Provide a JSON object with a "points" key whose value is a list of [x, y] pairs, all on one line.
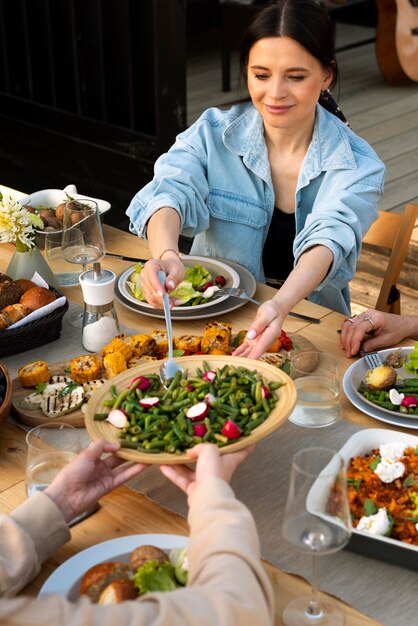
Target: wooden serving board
{"points": [[36, 417]]}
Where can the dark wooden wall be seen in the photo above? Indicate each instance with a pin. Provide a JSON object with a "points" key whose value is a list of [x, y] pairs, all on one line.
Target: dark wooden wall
{"points": [[91, 92]]}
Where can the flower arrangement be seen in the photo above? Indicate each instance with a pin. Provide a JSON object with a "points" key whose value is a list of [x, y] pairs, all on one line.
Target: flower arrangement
{"points": [[17, 224]]}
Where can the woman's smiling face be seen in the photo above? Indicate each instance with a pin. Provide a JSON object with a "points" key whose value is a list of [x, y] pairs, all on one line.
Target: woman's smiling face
{"points": [[284, 82]]}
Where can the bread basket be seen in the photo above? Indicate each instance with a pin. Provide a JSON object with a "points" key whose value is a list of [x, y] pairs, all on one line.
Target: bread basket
{"points": [[35, 333]]}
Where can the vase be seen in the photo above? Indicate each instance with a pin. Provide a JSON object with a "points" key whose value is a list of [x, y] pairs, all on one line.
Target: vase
{"points": [[25, 264]]}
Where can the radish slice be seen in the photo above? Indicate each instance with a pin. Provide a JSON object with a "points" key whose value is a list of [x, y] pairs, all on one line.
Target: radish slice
{"points": [[148, 403], [144, 383], [209, 376], [265, 391], [395, 397], [117, 418], [210, 399], [208, 293], [200, 430], [197, 411], [231, 430]]}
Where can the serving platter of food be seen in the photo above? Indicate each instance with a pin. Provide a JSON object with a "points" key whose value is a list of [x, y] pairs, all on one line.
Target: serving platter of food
{"points": [[108, 560], [230, 401], [388, 393], [198, 289], [219, 306], [382, 476]]}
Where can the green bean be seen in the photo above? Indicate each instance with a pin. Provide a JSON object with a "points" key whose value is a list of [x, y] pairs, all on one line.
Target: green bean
{"points": [[99, 417]]}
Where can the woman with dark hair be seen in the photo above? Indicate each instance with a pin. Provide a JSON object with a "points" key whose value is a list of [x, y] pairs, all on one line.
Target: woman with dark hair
{"points": [[278, 184]]}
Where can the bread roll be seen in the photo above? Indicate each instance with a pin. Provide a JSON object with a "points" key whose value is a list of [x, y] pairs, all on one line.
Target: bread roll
{"points": [[101, 575], [37, 297], [3, 322], [14, 312], [141, 555], [118, 591], [25, 283], [10, 293], [5, 279]]}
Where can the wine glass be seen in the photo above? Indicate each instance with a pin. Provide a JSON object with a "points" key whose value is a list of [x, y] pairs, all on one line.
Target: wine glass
{"points": [[317, 522], [82, 239], [56, 261]]}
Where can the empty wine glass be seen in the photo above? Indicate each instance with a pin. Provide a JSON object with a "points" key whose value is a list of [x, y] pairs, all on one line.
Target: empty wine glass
{"points": [[82, 239], [316, 521]]}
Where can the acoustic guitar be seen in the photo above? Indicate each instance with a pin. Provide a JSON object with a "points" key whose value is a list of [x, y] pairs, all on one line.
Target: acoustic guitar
{"points": [[397, 40]]}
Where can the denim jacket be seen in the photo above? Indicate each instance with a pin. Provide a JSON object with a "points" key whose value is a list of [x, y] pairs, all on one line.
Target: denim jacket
{"points": [[217, 177]]}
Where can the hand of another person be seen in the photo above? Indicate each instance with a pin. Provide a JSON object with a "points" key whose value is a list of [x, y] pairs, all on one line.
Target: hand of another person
{"points": [[372, 330], [151, 286], [210, 463], [81, 483], [264, 331]]}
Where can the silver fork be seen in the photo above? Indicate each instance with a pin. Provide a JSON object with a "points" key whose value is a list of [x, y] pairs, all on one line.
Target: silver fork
{"points": [[373, 359], [235, 292]]}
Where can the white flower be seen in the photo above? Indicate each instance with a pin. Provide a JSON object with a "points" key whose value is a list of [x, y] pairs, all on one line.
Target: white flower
{"points": [[17, 224]]}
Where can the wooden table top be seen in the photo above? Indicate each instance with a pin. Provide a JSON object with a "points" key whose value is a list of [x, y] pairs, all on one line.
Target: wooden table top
{"points": [[140, 514]]}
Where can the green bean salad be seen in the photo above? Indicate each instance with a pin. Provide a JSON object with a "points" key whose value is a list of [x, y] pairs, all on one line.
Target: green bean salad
{"points": [[218, 406]]}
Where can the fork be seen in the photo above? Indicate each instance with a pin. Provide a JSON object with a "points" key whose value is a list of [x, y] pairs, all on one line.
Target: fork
{"points": [[373, 359], [235, 292]]}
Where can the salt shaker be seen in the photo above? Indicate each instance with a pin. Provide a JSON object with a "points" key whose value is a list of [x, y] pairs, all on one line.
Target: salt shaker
{"points": [[100, 321]]}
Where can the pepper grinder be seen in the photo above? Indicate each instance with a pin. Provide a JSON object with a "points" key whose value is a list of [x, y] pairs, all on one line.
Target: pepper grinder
{"points": [[100, 321]]}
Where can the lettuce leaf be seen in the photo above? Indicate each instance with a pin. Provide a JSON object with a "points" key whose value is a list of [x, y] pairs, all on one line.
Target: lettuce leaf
{"points": [[412, 365], [153, 576], [195, 277]]}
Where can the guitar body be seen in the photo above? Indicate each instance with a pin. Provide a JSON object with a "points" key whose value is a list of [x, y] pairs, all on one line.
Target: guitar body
{"points": [[386, 49], [406, 40]]}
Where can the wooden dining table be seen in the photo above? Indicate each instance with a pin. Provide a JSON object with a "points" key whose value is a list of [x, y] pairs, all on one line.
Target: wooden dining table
{"points": [[125, 511]]}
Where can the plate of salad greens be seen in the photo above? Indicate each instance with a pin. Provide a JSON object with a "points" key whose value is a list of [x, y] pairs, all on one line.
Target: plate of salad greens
{"points": [[203, 276], [65, 580], [392, 389]]}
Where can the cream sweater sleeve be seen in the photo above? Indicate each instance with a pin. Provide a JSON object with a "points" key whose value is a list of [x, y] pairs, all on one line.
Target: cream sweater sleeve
{"points": [[227, 582]]}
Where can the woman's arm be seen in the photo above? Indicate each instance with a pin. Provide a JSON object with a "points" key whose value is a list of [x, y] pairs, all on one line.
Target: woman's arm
{"points": [[310, 271]]}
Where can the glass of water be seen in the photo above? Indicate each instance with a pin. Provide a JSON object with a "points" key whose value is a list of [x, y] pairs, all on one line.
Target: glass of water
{"points": [[50, 447], [63, 270], [317, 381]]}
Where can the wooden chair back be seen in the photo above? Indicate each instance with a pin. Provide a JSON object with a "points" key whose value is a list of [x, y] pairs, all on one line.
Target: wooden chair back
{"points": [[392, 231]]}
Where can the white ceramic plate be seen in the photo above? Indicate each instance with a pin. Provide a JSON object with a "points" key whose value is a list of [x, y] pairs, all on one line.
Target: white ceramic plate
{"points": [[377, 546], [216, 268], [66, 578], [372, 409], [358, 374], [246, 282]]}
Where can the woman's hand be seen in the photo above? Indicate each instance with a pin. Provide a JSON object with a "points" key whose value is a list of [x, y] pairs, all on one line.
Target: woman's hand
{"points": [[81, 483], [151, 286], [210, 463], [265, 329], [374, 329]]}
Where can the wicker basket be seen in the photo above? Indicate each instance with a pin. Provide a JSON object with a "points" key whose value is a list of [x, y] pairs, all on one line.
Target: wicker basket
{"points": [[33, 334]]}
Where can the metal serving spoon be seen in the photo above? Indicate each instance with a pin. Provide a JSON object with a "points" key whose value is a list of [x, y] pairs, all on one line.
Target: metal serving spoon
{"points": [[169, 368]]}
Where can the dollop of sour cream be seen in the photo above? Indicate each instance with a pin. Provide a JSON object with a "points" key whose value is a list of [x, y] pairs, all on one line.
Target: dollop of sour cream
{"points": [[390, 468], [377, 524], [208, 293]]}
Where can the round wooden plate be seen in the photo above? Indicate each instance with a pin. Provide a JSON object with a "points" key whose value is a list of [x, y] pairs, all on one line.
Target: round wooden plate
{"points": [[105, 430], [35, 417]]}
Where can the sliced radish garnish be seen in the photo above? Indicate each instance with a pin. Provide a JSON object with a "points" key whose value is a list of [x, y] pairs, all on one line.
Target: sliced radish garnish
{"points": [[200, 430], [117, 418], [265, 391], [148, 403], [197, 411], [395, 397], [231, 430], [210, 399], [144, 383], [209, 376]]}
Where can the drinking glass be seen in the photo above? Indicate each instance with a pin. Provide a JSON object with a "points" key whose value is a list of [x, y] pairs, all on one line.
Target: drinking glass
{"points": [[82, 240], [317, 522], [61, 268], [317, 382], [49, 448]]}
